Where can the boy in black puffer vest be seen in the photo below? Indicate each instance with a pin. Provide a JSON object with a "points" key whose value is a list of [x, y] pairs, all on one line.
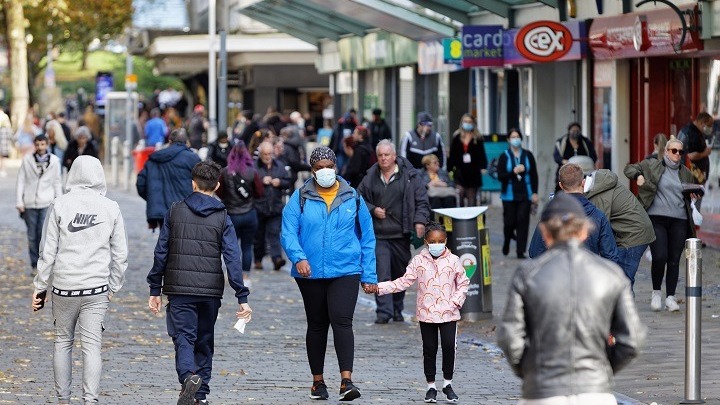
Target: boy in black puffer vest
{"points": [[196, 234]]}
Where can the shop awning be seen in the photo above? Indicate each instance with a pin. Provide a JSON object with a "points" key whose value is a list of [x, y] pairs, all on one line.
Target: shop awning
{"points": [[459, 10], [313, 20]]}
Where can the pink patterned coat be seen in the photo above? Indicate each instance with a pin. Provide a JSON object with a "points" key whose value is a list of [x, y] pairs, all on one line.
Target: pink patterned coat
{"points": [[442, 286]]}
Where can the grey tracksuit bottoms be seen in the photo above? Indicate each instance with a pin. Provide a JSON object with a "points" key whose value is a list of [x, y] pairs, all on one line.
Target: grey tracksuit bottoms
{"points": [[87, 312]]}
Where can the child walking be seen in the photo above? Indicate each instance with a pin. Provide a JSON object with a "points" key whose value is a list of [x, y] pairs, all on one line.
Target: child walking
{"points": [[195, 235], [442, 287]]}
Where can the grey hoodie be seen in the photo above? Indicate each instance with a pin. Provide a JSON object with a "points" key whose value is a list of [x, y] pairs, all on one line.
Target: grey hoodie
{"points": [[83, 244]]}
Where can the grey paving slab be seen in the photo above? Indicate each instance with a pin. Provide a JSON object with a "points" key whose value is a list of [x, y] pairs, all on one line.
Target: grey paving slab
{"points": [[267, 365]]}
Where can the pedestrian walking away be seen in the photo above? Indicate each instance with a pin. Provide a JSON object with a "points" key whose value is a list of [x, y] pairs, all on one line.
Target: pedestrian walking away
{"points": [[240, 184], [660, 190], [38, 184], [442, 288], [569, 323], [196, 237], [84, 252], [517, 173], [630, 223], [166, 177], [397, 199], [327, 234]]}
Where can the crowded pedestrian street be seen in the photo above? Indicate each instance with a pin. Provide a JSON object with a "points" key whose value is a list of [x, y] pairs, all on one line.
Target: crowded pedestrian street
{"points": [[267, 364]]}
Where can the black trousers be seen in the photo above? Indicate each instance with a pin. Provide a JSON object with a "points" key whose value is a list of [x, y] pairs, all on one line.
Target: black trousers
{"points": [[329, 302], [516, 220], [666, 250], [392, 257], [429, 332]]}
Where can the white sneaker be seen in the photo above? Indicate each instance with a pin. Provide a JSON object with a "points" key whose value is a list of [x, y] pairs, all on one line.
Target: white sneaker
{"points": [[671, 304], [656, 302]]}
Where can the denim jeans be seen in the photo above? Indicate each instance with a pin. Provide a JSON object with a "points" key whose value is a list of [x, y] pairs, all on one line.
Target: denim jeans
{"points": [[34, 220], [629, 260], [245, 227]]}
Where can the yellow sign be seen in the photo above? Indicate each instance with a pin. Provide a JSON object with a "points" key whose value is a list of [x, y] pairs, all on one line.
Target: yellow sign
{"points": [[131, 78], [487, 274]]}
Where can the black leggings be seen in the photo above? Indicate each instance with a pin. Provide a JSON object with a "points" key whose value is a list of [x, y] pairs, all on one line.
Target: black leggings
{"points": [[329, 301], [516, 221], [670, 235], [429, 332]]}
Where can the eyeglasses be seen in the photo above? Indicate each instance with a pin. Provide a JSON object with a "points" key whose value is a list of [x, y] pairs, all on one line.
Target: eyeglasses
{"points": [[675, 151]]}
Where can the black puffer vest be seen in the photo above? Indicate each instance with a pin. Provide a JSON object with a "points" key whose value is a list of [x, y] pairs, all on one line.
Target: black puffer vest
{"points": [[194, 265]]}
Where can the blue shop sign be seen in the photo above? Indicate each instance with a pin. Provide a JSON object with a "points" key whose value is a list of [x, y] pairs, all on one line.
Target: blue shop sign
{"points": [[482, 45]]}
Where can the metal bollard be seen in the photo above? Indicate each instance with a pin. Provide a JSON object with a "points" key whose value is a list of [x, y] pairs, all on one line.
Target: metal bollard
{"points": [[114, 150], [693, 324], [126, 164]]}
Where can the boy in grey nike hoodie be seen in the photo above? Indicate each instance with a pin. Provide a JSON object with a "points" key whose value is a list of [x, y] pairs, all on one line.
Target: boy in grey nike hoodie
{"points": [[84, 249]]}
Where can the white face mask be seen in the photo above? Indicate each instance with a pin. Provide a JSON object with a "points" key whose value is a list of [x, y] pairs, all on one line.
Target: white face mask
{"points": [[325, 177], [436, 249]]}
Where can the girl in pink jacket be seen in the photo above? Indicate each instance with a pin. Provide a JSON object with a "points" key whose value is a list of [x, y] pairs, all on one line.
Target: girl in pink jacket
{"points": [[442, 286]]}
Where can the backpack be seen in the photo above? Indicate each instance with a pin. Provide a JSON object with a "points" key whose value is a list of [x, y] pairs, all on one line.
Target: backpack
{"points": [[357, 211]]}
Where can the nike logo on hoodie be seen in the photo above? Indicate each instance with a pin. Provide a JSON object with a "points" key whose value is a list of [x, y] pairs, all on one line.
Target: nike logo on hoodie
{"points": [[82, 222]]}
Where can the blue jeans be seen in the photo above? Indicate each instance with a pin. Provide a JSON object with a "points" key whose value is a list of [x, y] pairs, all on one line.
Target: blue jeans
{"points": [[245, 227], [34, 220], [629, 260], [191, 325]]}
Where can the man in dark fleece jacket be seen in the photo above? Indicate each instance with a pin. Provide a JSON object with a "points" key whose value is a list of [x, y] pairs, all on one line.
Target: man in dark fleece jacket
{"points": [[601, 240], [397, 199], [166, 178], [196, 235]]}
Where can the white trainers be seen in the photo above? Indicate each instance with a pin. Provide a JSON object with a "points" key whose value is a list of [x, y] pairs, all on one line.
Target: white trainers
{"points": [[671, 304], [656, 302]]}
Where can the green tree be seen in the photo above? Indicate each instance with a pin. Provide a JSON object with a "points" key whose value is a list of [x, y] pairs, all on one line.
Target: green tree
{"points": [[14, 23]]}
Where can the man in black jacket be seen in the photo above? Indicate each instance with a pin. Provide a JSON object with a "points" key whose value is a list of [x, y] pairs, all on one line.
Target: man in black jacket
{"points": [[378, 128], [397, 199], [570, 321], [188, 269], [276, 181]]}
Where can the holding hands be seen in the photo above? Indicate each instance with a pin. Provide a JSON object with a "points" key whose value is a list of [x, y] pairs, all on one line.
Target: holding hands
{"points": [[369, 288]]}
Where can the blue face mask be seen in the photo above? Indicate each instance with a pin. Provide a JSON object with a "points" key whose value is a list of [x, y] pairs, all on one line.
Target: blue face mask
{"points": [[325, 177], [515, 142], [436, 249], [466, 126]]}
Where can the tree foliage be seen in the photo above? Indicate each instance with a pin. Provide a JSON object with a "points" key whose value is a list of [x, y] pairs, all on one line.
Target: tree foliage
{"points": [[74, 24]]}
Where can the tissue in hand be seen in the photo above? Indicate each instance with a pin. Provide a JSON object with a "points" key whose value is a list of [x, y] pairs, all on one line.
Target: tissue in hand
{"points": [[240, 325]]}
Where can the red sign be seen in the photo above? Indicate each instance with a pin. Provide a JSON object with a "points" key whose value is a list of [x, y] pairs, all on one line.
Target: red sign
{"points": [[652, 33], [543, 41]]}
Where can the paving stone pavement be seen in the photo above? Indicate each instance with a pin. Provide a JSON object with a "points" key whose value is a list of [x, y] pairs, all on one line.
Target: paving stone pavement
{"points": [[267, 365]]}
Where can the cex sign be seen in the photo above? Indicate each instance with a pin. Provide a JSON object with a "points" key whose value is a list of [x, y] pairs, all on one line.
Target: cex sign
{"points": [[543, 41]]}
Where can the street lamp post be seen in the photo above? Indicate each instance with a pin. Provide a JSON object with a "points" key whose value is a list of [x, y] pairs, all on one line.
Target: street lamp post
{"points": [[212, 74]]}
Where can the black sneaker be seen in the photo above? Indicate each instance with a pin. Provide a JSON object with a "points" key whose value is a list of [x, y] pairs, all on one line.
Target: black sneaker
{"points": [[189, 388], [202, 402], [319, 390], [431, 396], [450, 394], [278, 262], [348, 391], [398, 316]]}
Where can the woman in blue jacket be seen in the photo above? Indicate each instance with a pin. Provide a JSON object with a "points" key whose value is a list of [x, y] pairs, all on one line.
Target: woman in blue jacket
{"points": [[328, 236]]}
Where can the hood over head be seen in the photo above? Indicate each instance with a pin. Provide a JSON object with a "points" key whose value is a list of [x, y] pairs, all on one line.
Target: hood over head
{"points": [[603, 180], [203, 205], [87, 173]]}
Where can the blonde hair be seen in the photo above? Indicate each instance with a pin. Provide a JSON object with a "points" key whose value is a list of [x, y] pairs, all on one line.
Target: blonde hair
{"points": [[673, 140], [427, 159]]}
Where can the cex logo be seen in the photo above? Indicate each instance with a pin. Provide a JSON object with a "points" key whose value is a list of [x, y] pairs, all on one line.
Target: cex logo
{"points": [[543, 41]]}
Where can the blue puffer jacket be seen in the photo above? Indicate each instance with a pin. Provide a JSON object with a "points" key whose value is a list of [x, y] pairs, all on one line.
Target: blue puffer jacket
{"points": [[600, 241], [166, 178], [329, 240]]}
